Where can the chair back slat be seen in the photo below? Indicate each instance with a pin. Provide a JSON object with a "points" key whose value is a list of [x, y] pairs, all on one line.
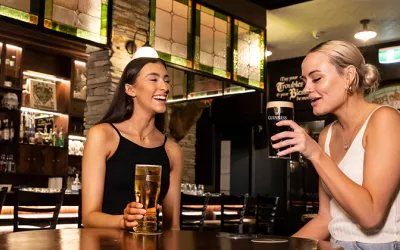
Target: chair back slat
{"points": [[265, 213], [237, 205], [3, 194], [193, 211], [37, 203]]}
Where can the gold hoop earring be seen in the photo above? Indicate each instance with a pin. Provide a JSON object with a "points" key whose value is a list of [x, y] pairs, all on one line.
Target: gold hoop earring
{"points": [[348, 89]]}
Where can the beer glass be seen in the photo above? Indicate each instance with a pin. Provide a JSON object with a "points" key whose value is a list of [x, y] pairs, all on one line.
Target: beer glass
{"points": [[147, 190], [276, 112]]}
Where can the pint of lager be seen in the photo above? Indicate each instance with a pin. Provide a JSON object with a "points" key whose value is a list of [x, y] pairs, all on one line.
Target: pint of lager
{"points": [[278, 111], [147, 190]]}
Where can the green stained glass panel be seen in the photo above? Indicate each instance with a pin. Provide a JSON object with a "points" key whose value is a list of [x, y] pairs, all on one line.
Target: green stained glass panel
{"points": [[212, 43], [170, 30], [22, 10], [248, 54], [87, 19]]}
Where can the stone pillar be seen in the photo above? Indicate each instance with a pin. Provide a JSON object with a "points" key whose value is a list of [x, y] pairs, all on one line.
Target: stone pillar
{"points": [[105, 67]]}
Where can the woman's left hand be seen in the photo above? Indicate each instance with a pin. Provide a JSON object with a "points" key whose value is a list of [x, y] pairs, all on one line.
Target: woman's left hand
{"points": [[298, 140]]}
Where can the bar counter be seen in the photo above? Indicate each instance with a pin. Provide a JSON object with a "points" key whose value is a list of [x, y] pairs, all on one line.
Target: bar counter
{"points": [[96, 239]]}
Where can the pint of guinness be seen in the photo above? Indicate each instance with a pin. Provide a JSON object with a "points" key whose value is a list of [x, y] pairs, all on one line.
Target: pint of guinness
{"points": [[278, 111]]}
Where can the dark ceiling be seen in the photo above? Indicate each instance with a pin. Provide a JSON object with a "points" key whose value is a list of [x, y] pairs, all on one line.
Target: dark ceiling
{"points": [[276, 4]]}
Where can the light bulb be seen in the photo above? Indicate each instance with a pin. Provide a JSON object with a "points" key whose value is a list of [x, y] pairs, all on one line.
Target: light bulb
{"points": [[145, 51]]}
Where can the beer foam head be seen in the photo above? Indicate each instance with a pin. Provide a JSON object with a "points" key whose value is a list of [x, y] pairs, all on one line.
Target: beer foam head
{"points": [[281, 104]]}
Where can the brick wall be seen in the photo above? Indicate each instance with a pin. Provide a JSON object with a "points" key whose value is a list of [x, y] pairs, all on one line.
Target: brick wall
{"points": [[105, 67]]}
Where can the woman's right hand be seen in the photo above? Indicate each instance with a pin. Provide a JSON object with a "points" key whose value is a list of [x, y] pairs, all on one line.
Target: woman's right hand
{"points": [[134, 211]]}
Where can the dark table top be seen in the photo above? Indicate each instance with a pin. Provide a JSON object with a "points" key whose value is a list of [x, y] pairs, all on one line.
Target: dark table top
{"points": [[96, 239]]}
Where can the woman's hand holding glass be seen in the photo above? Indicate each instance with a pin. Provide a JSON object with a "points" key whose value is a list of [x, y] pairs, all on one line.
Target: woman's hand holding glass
{"points": [[298, 140], [134, 211]]}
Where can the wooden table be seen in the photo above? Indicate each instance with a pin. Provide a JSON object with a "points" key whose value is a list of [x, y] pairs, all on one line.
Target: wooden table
{"points": [[96, 239]]}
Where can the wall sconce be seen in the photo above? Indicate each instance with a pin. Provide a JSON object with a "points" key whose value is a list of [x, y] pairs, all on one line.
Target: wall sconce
{"points": [[145, 51]]}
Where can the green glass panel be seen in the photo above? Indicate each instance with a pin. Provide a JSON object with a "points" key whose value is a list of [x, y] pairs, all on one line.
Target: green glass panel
{"points": [[242, 79], [185, 2], [152, 32], [254, 83], [244, 25], [35, 7], [88, 35], [219, 72], [221, 16], [207, 10], [255, 30], [197, 49], [164, 56], [104, 13], [104, 2], [48, 11], [13, 13], [153, 10], [206, 68], [178, 60], [197, 23]]}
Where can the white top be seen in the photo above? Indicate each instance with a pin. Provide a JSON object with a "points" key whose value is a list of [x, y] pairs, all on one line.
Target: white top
{"points": [[342, 227]]}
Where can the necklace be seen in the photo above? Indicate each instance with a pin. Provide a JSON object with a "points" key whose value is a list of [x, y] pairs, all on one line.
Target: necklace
{"points": [[144, 137]]}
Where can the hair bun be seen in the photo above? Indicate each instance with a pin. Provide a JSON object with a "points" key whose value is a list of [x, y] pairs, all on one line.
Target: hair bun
{"points": [[371, 77]]}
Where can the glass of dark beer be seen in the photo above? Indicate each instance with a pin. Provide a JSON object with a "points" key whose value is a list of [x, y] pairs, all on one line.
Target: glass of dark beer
{"points": [[276, 112]]}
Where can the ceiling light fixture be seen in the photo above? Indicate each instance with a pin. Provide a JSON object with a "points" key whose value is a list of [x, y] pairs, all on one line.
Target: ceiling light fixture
{"points": [[145, 51], [365, 34], [268, 53]]}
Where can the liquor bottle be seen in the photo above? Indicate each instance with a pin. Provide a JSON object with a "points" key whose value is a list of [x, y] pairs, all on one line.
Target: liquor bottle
{"points": [[21, 128], [61, 138], [45, 136], [11, 164], [1, 131], [3, 163], [11, 131], [6, 130], [55, 136]]}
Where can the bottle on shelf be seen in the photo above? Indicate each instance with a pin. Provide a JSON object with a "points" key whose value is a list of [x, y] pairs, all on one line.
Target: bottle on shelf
{"points": [[10, 163], [76, 185], [61, 138], [3, 163], [54, 137], [11, 131], [6, 131], [1, 130]]}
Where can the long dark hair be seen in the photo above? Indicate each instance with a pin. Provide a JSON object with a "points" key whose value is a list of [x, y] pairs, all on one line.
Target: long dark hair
{"points": [[121, 108]]}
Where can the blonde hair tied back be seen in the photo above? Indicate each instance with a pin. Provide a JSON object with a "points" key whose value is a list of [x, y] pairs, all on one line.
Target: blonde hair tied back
{"points": [[343, 54]]}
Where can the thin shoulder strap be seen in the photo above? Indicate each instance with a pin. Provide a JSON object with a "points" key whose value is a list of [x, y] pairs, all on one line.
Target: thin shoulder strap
{"points": [[112, 125], [165, 140]]}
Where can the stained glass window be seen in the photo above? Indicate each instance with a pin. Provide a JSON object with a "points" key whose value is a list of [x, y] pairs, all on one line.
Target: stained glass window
{"points": [[23, 10], [177, 84], [82, 18], [248, 50], [212, 41], [202, 86], [170, 30]]}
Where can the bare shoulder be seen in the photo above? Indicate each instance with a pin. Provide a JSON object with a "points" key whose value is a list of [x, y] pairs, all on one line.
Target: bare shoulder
{"points": [[386, 118], [101, 132], [174, 152], [322, 135]]}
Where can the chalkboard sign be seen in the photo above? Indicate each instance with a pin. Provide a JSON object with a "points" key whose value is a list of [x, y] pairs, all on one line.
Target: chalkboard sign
{"points": [[42, 122]]}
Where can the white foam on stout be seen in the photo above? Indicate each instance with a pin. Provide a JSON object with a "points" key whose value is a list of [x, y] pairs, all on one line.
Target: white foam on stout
{"points": [[281, 104]]}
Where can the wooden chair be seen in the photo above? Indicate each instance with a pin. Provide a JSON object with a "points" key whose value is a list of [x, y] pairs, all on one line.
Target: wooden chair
{"points": [[265, 214], [3, 194], [193, 212], [233, 209], [38, 203]]}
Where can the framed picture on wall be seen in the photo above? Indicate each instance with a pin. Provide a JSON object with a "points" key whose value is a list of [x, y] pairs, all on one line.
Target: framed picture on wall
{"points": [[42, 94]]}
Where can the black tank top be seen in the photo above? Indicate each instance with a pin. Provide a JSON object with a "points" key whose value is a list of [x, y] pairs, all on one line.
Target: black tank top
{"points": [[119, 180]]}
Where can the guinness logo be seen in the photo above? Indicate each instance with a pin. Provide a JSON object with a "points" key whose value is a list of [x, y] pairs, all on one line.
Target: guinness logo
{"points": [[276, 111]]}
